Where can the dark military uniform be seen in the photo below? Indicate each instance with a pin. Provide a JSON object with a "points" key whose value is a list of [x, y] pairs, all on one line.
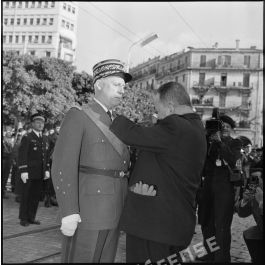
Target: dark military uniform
{"points": [[87, 173], [33, 159], [216, 207]]}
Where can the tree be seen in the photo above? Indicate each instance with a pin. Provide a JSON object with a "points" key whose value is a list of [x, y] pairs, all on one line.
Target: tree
{"points": [[31, 83]]}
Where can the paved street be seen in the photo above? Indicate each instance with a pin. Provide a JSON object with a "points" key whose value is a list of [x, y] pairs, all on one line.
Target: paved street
{"points": [[20, 246]]}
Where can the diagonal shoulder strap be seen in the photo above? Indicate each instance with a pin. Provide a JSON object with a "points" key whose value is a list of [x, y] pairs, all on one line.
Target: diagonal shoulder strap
{"points": [[112, 138]]}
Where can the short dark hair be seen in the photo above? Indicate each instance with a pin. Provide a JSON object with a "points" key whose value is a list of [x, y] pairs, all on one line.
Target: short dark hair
{"points": [[173, 91]]}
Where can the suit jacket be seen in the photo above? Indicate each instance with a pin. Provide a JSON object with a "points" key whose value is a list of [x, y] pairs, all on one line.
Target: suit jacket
{"points": [[171, 158], [98, 199], [33, 155]]}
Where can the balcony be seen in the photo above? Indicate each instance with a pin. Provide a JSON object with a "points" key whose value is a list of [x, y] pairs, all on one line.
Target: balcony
{"points": [[244, 124], [199, 103], [223, 87]]}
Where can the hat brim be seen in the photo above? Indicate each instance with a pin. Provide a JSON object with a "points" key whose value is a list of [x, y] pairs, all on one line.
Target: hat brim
{"points": [[38, 118], [125, 76]]}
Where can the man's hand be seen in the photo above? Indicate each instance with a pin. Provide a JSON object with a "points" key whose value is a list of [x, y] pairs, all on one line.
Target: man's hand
{"points": [[143, 189], [216, 137], [24, 177], [47, 175], [69, 224]]}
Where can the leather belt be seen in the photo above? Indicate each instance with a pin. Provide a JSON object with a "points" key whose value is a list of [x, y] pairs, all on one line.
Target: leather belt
{"points": [[104, 172]]}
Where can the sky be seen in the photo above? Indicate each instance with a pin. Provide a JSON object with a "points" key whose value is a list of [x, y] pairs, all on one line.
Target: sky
{"points": [[106, 30]]}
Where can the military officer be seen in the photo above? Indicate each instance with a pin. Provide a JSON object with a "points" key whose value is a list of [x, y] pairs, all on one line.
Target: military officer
{"points": [[33, 165], [89, 171]]}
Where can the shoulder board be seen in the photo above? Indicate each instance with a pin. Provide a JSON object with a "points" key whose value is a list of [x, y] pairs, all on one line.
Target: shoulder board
{"points": [[77, 107]]}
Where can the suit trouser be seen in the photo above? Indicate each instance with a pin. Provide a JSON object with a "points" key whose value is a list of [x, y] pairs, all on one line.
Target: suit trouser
{"points": [[30, 197], [87, 246], [140, 250], [218, 203]]}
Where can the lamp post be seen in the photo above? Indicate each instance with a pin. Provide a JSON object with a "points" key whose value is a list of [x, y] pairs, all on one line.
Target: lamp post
{"points": [[142, 42]]}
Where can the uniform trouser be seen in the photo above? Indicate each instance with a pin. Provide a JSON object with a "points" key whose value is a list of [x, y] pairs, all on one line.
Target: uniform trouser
{"points": [[254, 241], [30, 197], [218, 208], [90, 246], [7, 163], [140, 250]]}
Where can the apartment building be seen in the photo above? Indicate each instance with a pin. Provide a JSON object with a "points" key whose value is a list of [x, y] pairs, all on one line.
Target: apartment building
{"points": [[40, 28], [228, 78]]}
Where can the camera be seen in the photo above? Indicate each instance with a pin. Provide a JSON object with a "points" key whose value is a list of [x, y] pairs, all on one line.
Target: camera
{"points": [[214, 124]]}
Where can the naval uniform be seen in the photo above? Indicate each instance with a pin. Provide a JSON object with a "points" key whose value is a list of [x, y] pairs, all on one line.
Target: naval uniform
{"points": [[89, 179], [33, 159]]}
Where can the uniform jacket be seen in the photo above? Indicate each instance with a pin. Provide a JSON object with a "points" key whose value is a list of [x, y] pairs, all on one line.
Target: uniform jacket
{"points": [[171, 158], [98, 199], [33, 155]]}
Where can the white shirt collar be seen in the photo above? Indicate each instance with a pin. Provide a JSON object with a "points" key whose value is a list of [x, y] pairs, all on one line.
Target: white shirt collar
{"points": [[103, 106], [37, 133]]}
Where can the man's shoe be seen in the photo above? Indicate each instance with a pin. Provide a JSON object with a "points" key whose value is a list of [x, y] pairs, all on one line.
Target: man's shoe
{"points": [[24, 223], [34, 222]]}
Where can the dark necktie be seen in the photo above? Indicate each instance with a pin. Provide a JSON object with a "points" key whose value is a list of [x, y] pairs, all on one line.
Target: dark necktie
{"points": [[108, 112]]}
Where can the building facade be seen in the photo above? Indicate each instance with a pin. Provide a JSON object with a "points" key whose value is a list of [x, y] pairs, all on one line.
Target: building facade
{"points": [[43, 29], [230, 79]]}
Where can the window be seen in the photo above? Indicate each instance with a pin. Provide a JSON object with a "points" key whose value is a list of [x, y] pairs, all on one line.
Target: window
{"points": [[43, 39], [219, 60], [72, 27], [18, 21], [32, 53], [10, 39], [30, 38], [246, 77], [49, 39], [203, 61], [186, 60], [52, 4], [32, 4], [25, 21], [38, 21], [44, 22], [227, 60], [223, 79], [245, 99], [69, 8], [36, 39], [73, 10], [12, 21], [5, 21], [13, 4], [17, 38], [176, 79], [63, 23], [39, 4], [7, 4], [67, 25], [247, 60], [23, 38], [4, 39], [222, 99], [19, 4], [31, 21], [51, 21], [48, 54], [17, 52], [26, 4], [201, 78], [183, 78], [45, 4], [64, 6]]}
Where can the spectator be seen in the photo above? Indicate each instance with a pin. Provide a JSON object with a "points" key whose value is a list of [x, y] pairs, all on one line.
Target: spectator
{"points": [[252, 203]]}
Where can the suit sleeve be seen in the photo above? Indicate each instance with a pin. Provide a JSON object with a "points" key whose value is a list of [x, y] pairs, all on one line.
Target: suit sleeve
{"points": [[153, 138], [66, 162], [23, 155]]}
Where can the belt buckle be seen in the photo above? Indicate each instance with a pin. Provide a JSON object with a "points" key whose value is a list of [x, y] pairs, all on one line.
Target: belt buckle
{"points": [[122, 174]]}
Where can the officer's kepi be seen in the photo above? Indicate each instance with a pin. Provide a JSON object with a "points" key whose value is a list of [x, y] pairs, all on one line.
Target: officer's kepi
{"points": [[111, 67], [37, 116]]}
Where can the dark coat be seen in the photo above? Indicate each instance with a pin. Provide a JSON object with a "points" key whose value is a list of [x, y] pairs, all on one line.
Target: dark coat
{"points": [[97, 198], [171, 157], [33, 155]]}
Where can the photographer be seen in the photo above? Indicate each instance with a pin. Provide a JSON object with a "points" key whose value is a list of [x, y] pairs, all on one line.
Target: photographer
{"points": [[252, 203], [220, 190]]}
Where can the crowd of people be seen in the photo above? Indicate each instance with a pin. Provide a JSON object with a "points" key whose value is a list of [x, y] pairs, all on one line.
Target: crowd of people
{"points": [[173, 165]]}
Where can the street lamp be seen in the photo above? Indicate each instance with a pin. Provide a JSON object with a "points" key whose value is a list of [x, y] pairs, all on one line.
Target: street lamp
{"points": [[142, 42]]}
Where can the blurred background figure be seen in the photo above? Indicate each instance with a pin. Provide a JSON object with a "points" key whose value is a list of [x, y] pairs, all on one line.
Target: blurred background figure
{"points": [[8, 143]]}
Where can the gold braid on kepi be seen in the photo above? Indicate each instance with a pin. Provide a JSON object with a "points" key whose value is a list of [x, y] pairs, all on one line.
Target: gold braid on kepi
{"points": [[110, 67]]}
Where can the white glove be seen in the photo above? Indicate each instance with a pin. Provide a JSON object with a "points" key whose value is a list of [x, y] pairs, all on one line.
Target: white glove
{"points": [[24, 177], [47, 175], [69, 224]]}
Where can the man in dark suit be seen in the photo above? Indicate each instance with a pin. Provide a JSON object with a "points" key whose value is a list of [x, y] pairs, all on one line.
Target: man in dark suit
{"points": [[89, 171], [34, 168], [159, 213]]}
